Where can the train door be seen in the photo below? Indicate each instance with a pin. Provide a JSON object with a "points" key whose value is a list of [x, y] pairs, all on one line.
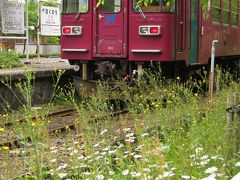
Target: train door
{"points": [[193, 51], [109, 29]]}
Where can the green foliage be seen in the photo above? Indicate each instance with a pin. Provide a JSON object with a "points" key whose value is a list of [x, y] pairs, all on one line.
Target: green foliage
{"points": [[9, 59]]}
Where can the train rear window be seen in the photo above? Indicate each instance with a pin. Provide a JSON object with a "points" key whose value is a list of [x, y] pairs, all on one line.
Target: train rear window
{"points": [[155, 6], [75, 6], [111, 6]]}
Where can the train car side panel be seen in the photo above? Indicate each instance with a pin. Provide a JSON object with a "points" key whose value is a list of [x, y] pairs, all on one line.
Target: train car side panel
{"points": [[76, 46]]}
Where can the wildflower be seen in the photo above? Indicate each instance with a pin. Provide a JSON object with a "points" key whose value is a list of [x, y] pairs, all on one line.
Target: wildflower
{"points": [[168, 174], [125, 172], [96, 145], [211, 170], [2, 129], [204, 157], [137, 156], [237, 164], [104, 131], [5, 148], [33, 123], [75, 142], [185, 177], [126, 129], [64, 166], [135, 174], [144, 134], [178, 78], [62, 175], [111, 173], [80, 157], [210, 177], [146, 170], [199, 150], [53, 160], [100, 177]]}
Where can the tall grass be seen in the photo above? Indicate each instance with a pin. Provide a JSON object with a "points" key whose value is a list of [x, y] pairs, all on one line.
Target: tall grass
{"points": [[170, 132]]}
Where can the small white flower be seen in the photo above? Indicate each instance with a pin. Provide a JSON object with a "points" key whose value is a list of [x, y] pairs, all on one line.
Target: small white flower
{"points": [[53, 147], [96, 145], [62, 175], [106, 149], [185, 177], [203, 163], [210, 177], [103, 131], [125, 172], [199, 150], [144, 134], [168, 174], [135, 174], [75, 142], [211, 170], [146, 170], [64, 166], [204, 157], [237, 164], [112, 152], [137, 156], [53, 160], [100, 177], [111, 173], [126, 129], [80, 157], [130, 135]]}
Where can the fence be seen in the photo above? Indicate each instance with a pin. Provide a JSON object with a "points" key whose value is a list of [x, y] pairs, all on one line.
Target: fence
{"points": [[44, 48]]}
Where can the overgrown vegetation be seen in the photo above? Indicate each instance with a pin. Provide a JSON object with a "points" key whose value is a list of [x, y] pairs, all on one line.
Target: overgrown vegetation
{"points": [[169, 133], [9, 59]]}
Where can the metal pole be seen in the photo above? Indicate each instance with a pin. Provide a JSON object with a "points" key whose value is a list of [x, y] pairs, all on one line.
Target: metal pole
{"points": [[212, 68], [27, 35], [38, 32]]}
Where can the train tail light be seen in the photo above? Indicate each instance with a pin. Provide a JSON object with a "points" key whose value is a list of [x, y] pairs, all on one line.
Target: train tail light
{"points": [[149, 30], [72, 30], [66, 30], [155, 30]]}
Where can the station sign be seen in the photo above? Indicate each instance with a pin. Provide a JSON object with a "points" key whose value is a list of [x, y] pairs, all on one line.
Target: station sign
{"points": [[50, 21], [12, 17]]}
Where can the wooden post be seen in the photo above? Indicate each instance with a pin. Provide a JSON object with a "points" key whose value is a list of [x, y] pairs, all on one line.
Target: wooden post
{"points": [[236, 124], [84, 71], [229, 132]]}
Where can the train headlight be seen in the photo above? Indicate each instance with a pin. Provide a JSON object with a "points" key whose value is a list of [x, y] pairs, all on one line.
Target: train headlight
{"points": [[143, 30], [150, 30], [72, 30]]}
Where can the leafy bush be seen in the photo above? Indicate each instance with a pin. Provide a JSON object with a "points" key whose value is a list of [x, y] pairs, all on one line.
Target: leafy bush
{"points": [[9, 59]]}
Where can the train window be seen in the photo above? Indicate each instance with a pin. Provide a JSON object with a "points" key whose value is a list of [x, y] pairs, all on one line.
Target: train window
{"points": [[235, 12], [111, 6], [226, 12], [155, 6], [75, 6], [216, 12]]}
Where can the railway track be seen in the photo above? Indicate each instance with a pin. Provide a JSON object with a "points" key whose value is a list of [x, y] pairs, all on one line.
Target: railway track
{"points": [[59, 122]]}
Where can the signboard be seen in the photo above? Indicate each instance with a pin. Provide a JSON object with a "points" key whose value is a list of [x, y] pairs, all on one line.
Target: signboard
{"points": [[12, 17], [50, 21]]}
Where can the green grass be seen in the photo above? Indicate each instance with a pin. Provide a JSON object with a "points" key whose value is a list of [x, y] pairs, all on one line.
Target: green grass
{"points": [[169, 133], [9, 59]]}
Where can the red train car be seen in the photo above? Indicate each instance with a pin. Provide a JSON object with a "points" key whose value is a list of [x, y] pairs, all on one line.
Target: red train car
{"points": [[131, 36]]}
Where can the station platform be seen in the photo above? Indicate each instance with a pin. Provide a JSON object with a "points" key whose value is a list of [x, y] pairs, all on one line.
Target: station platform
{"points": [[44, 71], [42, 67]]}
